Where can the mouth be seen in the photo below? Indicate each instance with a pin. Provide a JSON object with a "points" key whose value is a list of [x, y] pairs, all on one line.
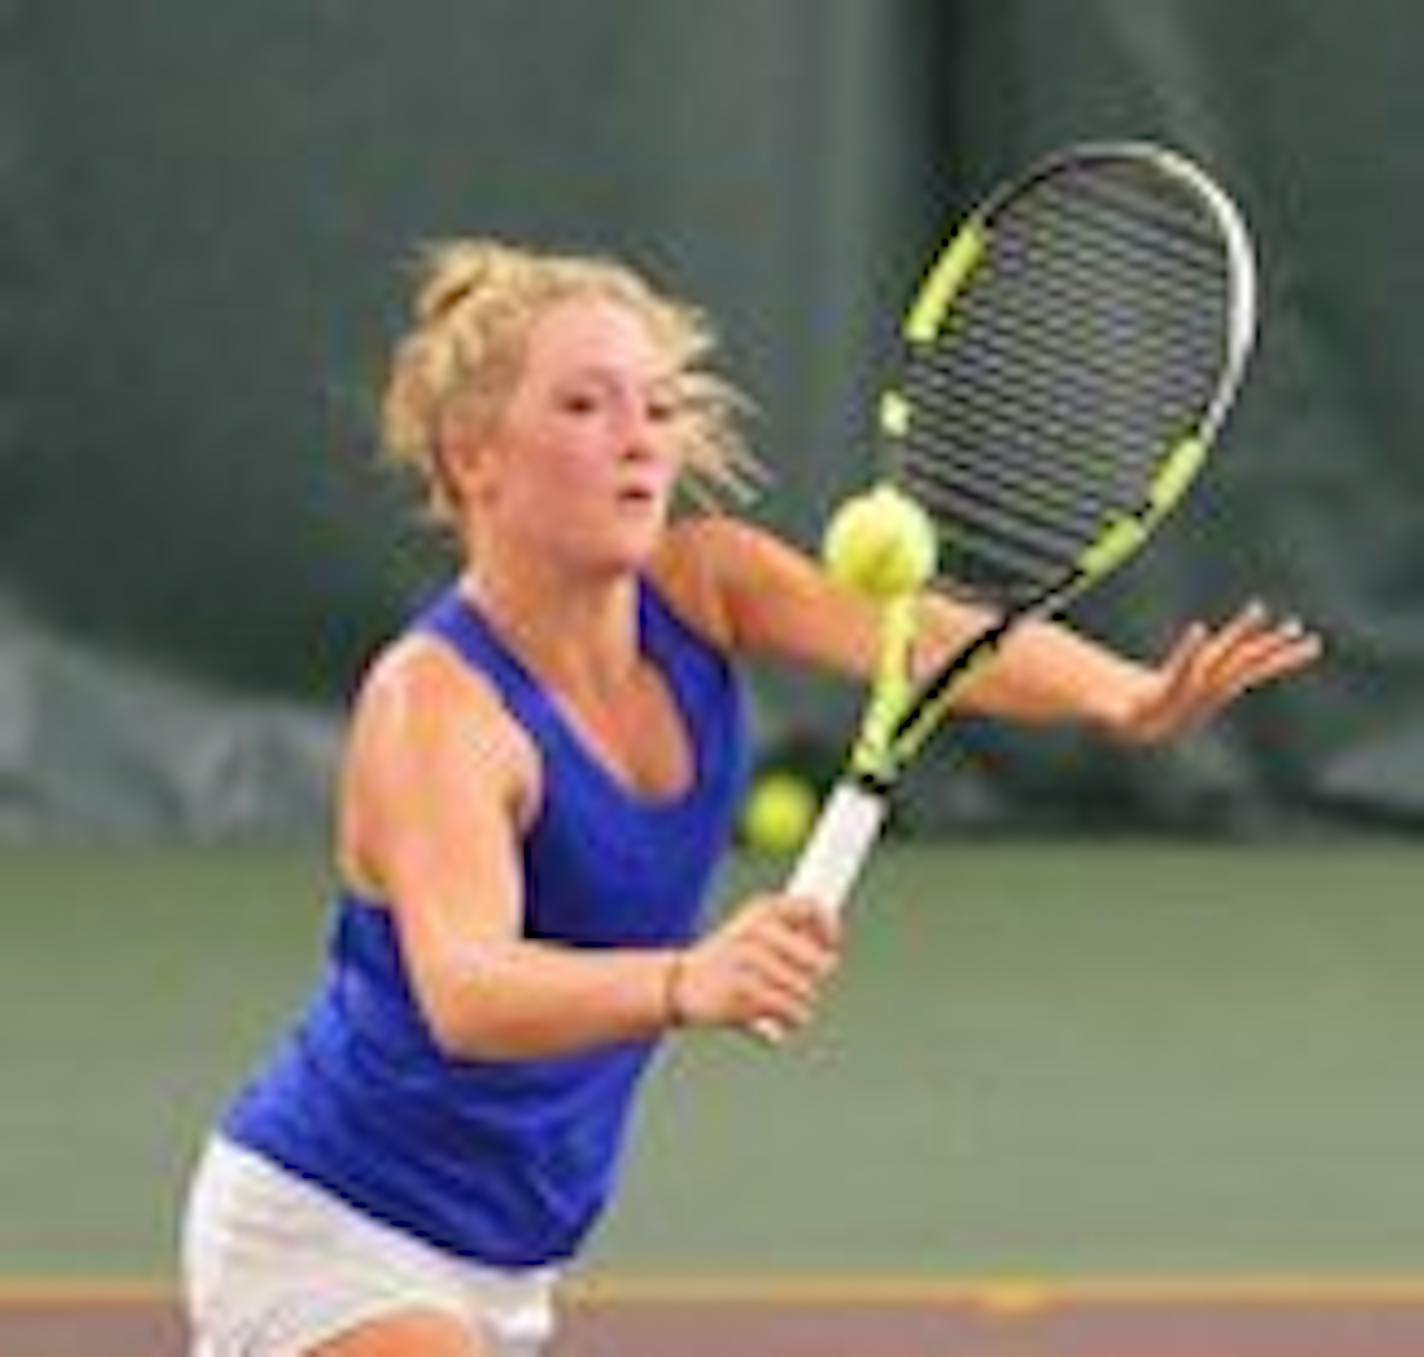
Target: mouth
{"points": [[638, 497]]}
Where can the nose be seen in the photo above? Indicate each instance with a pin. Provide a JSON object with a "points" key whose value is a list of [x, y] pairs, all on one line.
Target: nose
{"points": [[638, 437]]}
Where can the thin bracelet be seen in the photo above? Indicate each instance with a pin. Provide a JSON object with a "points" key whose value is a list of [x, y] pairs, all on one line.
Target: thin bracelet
{"points": [[672, 986]]}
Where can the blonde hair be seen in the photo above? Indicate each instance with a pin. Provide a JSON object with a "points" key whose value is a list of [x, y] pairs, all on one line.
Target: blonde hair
{"points": [[474, 306]]}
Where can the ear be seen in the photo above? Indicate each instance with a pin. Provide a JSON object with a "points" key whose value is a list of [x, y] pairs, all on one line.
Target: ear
{"points": [[468, 458]]}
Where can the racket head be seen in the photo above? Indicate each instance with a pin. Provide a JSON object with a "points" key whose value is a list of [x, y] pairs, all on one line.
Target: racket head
{"points": [[1070, 357]]}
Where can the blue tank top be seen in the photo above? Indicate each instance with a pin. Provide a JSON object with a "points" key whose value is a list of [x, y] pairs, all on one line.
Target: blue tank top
{"points": [[506, 1163]]}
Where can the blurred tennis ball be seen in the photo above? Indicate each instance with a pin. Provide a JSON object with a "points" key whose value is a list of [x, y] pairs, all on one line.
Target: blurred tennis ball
{"points": [[779, 812], [880, 543]]}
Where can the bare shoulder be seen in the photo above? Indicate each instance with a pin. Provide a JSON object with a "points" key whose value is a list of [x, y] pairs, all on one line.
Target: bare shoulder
{"points": [[420, 707], [417, 678]]}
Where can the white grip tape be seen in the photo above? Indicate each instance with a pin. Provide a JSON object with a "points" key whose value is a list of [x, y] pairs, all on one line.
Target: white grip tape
{"points": [[845, 832]]}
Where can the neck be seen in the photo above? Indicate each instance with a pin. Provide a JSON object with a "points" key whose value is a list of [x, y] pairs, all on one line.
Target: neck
{"points": [[576, 631]]}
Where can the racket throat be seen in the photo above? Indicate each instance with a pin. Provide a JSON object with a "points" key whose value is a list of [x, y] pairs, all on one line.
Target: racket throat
{"points": [[918, 721], [920, 718]]}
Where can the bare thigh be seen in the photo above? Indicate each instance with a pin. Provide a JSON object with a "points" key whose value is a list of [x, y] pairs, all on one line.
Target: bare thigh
{"points": [[413, 1333]]}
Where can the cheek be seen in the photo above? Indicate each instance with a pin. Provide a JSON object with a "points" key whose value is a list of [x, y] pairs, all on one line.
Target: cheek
{"points": [[558, 470], [573, 461]]}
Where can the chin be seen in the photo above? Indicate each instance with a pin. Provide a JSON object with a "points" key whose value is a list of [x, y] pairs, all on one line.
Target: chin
{"points": [[638, 539], [632, 551], [633, 559]]}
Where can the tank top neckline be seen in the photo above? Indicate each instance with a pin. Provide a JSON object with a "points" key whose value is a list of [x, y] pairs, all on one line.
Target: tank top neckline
{"points": [[653, 646]]}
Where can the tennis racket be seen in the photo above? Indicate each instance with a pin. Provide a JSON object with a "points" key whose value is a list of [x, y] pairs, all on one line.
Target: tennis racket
{"points": [[1068, 361]]}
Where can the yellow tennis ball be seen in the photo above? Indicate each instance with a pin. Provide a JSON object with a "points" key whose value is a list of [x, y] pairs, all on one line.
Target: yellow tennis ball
{"points": [[779, 812], [881, 543]]}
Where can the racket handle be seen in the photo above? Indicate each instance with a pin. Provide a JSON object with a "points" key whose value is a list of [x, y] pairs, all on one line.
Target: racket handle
{"points": [[826, 871], [844, 833]]}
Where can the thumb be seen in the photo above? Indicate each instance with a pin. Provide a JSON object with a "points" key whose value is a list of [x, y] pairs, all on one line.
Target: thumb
{"points": [[1157, 708]]}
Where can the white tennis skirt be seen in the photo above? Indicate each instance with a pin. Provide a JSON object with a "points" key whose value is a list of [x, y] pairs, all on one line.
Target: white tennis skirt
{"points": [[274, 1266]]}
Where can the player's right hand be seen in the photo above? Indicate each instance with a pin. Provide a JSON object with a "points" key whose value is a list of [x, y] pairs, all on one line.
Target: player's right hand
{"points": [[765, 967]]}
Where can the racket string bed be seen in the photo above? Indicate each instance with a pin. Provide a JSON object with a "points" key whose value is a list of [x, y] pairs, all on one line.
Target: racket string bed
{"points": [[1057, 235], [1075, 258], [1007, 476], [1102, 443], [1081, 347], [1019, 438], [1129, 203], [1080, 208], [1098, 452], [1084, 349], [982, 555], [960, 505], [995, 461], [971, 506], [1102, 310], [1068, 374], [1014, 476], [1089, 344], [1073, 250]]}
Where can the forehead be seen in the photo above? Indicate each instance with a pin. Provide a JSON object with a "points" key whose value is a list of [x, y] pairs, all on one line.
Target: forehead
{"points": [[592, 330]]}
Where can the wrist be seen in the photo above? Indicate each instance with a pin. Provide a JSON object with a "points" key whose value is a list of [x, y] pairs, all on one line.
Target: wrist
{"points": [[675, 1012], [1118, 712]]}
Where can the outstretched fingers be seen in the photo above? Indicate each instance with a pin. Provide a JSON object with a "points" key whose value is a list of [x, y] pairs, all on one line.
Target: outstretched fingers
{"points": [[1206, 670], [1249, 651]]}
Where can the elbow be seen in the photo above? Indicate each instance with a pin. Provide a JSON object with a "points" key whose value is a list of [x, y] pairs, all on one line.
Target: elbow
{"points": [[467, 1017], [470, 1029], [457, 1039]]}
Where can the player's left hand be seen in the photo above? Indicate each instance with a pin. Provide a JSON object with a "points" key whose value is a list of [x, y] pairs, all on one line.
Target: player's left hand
{"points": [[1208, 669]]}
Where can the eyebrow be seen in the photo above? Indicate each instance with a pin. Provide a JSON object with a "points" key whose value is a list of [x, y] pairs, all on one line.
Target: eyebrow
{"points": [[615, 376]]}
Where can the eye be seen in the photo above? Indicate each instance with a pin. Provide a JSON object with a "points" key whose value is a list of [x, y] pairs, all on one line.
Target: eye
{"points": [[665, 403], [578, 402]]}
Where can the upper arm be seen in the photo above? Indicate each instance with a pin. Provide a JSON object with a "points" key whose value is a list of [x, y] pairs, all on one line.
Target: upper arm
{"points": [[769, 598], [438, 784], [754, 594]]}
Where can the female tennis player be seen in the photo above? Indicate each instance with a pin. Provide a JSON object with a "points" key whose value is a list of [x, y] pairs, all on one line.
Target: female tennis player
{"points": [[540, 777]]}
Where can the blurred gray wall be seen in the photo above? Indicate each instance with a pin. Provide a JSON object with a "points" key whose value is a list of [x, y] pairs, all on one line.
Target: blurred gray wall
{"points": [[207, 214]]}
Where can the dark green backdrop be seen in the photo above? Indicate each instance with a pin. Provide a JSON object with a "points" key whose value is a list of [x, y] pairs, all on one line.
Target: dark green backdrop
{"points": [[206, 212]]}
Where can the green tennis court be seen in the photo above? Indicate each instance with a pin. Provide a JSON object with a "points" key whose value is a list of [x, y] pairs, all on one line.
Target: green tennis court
{"points": [[1053, 1060]]}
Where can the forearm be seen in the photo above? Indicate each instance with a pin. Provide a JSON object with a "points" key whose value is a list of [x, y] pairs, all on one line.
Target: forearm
{"points": [[781, 604], [518, 1000], [1043, 673]]}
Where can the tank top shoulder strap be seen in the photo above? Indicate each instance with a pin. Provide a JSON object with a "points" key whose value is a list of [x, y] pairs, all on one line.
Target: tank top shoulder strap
{"points": [[665, 635], [452, 618], [656, 620]]}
